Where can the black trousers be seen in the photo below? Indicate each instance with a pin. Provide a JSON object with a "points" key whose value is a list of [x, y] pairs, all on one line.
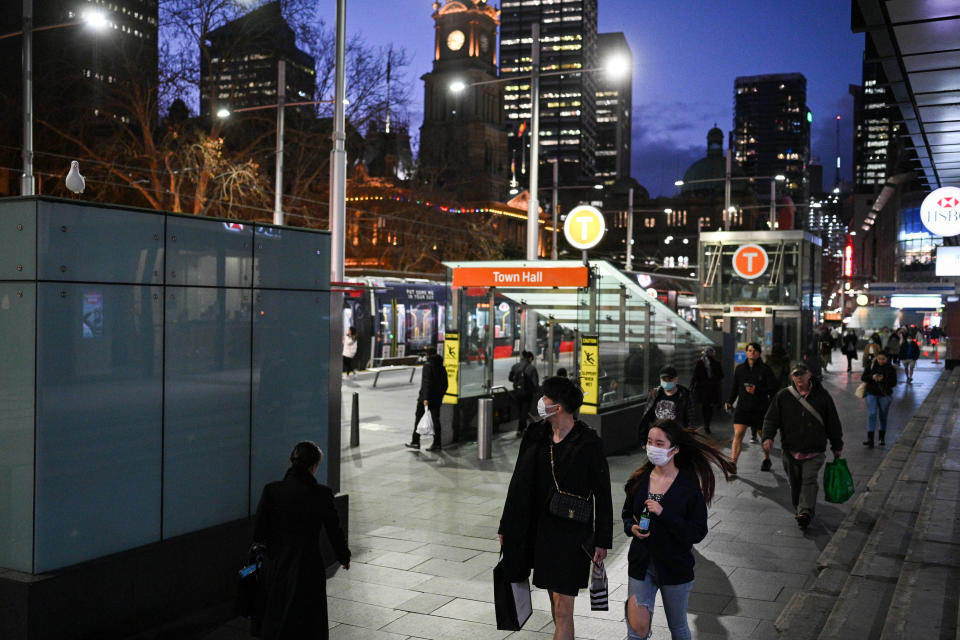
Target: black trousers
{"points": [[522, 403], [435, 414], [707, 412]]}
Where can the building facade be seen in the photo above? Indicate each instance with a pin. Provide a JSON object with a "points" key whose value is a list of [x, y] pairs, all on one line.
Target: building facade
{"points": [[463, 143], [239, 67], [772, 132], [568, 116], [614, 112]]}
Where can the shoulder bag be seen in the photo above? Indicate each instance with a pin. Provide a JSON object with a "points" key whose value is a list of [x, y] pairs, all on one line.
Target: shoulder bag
{"points": [[568, 506], [806, 405]]}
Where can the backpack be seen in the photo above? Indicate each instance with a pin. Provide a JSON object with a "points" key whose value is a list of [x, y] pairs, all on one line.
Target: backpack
{"points": [[518, 378]]}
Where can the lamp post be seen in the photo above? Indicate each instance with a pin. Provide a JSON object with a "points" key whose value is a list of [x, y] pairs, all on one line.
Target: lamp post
{"points": [[727, 180], [94, 19]]}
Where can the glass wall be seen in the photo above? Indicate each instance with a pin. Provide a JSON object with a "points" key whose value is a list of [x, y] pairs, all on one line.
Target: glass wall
{"points": [[173, 363]]}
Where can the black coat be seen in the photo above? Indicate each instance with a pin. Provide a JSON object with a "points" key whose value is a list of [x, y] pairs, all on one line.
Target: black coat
{"points": [[291, 515], [765, 380], [800, 431], [706, 387], [582, 471], [433, 382], [886, 385], [683, 406], [673, 533]]}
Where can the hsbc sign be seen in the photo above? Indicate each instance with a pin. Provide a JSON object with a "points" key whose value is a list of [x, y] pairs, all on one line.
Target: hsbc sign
{"points": [[940, 212]]}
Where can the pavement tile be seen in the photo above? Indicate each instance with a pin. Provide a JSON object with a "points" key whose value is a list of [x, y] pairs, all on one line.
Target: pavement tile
{"points": [[448, 569], [436, 628], [360, 614], [377, 594], [424, 603], [360, 572], [446, 552], [472, 610], [398, 560], [350, 632]]}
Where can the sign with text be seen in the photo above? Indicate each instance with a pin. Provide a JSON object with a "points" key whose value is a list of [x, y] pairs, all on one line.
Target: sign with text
{"points": [[532, 276], [948, 261], [750, 261], [940, 211], [590, 374], [451, 362], [584, 227]]}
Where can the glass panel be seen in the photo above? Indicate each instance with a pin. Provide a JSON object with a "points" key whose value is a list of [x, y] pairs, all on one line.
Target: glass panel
{"points": [[290, 359], [209, 253], [17, 318], [206, 408], [285, 258], [71, 250], [98, 460], [474, 314], [18, 240]]}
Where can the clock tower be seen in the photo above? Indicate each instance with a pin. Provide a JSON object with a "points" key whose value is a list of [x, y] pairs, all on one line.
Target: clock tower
{"points": [[463, 140]]}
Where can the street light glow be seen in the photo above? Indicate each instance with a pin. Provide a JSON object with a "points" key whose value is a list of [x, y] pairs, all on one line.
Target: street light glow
{"points": [[223, 112], [457, 86], [617, 66], [678, 183], [96, 19], [598, 186], [779, 177], [668, 210]]}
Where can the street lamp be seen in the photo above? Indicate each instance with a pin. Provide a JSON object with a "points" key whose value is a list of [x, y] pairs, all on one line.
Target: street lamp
{"points": [[282, 104], [95, 19], [727, 208], [615, 66]]}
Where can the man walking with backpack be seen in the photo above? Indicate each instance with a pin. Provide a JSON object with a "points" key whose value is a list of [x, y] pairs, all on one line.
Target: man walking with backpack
{"points": [[526, 383]]}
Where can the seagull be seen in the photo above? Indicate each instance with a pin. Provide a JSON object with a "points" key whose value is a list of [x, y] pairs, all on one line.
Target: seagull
{"points": [[75, 181]]}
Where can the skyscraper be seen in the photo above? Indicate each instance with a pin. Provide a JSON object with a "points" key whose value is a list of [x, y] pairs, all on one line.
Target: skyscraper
{"points": [[876, 124], [771, 127], [242, 67], [614, 113], [463, 145], [568, 118]]}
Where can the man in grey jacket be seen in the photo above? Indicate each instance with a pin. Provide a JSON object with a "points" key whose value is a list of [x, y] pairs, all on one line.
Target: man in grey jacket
{"points": [[806, 417]]}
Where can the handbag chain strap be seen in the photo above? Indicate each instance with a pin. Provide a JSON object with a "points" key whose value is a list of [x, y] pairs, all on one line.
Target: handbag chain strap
{"points": [[557, 486]]}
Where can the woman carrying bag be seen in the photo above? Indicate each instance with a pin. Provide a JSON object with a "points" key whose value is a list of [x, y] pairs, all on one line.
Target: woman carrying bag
{"points": [[665, 514], [880, 378], [558, 504]]}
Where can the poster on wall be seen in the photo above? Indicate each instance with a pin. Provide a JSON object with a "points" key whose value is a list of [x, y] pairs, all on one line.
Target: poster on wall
{"points": [[92, 320]]}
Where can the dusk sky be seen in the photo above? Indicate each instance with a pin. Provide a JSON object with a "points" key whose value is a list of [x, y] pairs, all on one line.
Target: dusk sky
{"points": [[687, 54]]}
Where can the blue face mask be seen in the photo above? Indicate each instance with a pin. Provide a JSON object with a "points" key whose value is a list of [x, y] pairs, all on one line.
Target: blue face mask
{"points": [[668, 386]]}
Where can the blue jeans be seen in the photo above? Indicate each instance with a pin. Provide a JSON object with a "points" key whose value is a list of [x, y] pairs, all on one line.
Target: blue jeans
{"points": [[875, 405], [674, 597]]}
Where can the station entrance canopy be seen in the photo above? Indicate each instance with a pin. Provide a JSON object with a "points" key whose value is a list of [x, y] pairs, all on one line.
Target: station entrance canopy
{"points": [[636, 334]]}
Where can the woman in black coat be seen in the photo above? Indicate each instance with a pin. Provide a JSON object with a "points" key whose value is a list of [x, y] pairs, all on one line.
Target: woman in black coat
{"points": [[665, 514], [290, 517], [880, 378], [707, 379], [754, 383], [558, 549]]}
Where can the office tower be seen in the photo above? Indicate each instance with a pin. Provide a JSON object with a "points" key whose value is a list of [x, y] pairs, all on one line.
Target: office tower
{"points": [[463, 145], [84, 79], [614, 112], [242, 66], [876, 124], [772, 132], [568, 118]]}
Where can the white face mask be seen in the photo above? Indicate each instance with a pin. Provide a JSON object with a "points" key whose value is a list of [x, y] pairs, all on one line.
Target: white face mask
{"points": [[658, 456], [542, 409]]}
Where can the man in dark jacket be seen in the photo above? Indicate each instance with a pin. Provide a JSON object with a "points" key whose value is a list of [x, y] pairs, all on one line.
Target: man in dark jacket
{"points": [[526, 383], [806, 418], [291, 515], [433, 384], [671, 400], [909, 354]]}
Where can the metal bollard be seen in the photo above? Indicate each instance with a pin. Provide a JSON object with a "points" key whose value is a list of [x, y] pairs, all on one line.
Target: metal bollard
{"points": [[484, 428], [355, 421]]}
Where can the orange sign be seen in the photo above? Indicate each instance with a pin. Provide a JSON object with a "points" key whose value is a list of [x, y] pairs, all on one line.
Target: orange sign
{"points": [[750, 261], [511, 277]]}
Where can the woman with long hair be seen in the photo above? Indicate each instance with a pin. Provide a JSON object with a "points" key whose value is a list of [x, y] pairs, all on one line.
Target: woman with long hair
{"points": [[665, 513]]}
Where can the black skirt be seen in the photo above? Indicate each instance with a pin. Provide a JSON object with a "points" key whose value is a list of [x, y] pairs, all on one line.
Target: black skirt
{"points": [[559, 561], [750, 416]]}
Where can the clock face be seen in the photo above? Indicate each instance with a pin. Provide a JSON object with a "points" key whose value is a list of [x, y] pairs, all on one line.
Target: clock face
{"points": [[484, 43], [455, 40]]}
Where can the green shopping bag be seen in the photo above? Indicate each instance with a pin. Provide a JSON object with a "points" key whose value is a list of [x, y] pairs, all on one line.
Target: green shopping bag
{"points": [[837, 481]]}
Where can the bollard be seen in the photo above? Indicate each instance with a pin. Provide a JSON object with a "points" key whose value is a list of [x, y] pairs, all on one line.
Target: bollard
{"points": [[484, 428], [355, 421]]}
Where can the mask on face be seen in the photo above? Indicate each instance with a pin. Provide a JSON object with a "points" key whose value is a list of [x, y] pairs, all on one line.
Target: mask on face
{"points": [[658, 456], [542, 409], [668, 386]]}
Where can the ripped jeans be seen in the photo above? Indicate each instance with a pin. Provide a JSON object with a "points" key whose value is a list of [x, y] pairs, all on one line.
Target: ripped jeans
{"points": [[674, 597]]}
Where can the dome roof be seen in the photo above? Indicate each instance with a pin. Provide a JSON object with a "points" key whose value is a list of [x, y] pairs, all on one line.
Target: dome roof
{"points": [[706, 175]]}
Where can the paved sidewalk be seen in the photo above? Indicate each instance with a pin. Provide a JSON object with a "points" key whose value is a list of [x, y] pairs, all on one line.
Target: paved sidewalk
{"points": [[423, 532]]}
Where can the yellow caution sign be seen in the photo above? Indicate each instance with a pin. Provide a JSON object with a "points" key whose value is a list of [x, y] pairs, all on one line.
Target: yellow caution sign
{"points": [[451, 362], [590, 374]]}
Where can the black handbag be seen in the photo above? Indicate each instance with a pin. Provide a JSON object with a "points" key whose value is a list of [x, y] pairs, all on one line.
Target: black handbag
{"points": [[511, 600], [569, 506]]}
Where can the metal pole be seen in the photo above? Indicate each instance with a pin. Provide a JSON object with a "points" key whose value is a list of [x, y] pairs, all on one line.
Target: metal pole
{"points": [[533, 207], [281, 98], [484, 428], [726, 190], [773, 203], [338, 155], [553, 207], [548, 350], [630, 229], [355, 421], [27, 187], [489, 343]]}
